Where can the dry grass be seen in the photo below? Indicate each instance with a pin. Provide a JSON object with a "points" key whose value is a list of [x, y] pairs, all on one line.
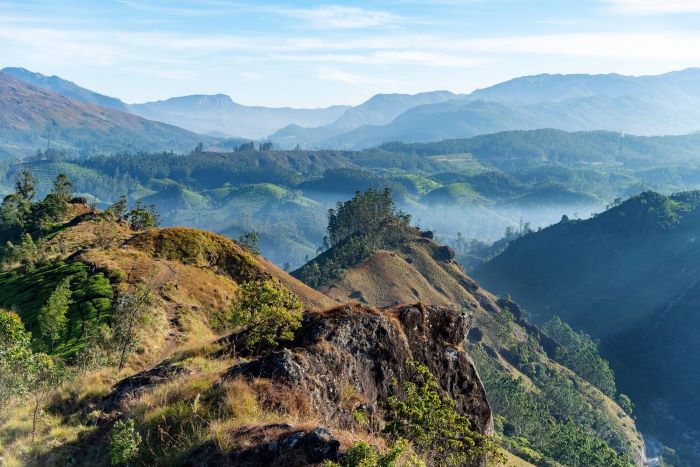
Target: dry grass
{"points": [[16, 444]]}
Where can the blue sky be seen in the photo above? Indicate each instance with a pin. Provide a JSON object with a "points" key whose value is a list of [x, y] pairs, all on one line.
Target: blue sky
{"points": [[308, 54]]}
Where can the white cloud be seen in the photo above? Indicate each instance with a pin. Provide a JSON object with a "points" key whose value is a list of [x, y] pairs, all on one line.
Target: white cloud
{"points": [[654, 7], [340, 17], [332, 74]]}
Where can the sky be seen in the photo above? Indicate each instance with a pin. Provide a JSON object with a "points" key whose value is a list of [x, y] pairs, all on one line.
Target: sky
{"points": [[313, 54]]}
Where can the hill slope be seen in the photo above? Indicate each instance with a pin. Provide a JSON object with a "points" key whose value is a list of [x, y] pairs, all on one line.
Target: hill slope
{"points": [[194, 393], [65, 88], [421, 270], [28, 115], [629, 278]]}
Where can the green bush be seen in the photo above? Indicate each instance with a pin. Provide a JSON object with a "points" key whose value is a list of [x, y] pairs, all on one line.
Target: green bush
{"points": [[429, 419], [267, 313], [125, 444], [362, 454]]}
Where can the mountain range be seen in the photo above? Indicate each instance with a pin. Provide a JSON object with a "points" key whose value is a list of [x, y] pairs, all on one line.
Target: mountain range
{"points": [[647, 105], [644, 105], [215, 114]]}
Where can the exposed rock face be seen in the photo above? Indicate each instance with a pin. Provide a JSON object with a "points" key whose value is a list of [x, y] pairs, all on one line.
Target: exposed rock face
{"points": [[353, 357]]}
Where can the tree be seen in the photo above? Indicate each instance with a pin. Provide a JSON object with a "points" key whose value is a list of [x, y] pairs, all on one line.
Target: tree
{"points": [[25, 184], [266, 146], [14, 215], [125, 443], [53, 315], [250, 241], [63, 188], [14, 354], [626, 403], [143, 217], [93, 354], [25, 252], [368, 212], [128, 316], [117, 210], [267, 313], [43, 375], [54, 206]]}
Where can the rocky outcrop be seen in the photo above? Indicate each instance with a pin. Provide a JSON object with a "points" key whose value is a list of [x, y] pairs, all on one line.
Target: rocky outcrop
{"points": [[444, 253], [132, 386], [275, 445], [351, 358]]}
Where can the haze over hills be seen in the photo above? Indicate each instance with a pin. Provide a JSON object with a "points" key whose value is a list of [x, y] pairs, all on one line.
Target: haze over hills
{"points": [[381, 109], [220, 115], [216, 114], [647, 105], [629, 278]]}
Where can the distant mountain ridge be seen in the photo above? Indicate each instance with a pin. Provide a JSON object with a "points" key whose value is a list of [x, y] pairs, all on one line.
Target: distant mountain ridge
{"points": [[33, 118], [219, 113], [646, 105], [65, 88], [215, 114]]}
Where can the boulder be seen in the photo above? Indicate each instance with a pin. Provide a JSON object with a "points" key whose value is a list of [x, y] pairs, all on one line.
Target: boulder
{"points": [[444, 253]]}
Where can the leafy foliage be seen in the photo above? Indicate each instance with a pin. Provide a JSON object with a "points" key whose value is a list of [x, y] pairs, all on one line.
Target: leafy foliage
{"points": [[362, 454], [14, 353], [429, 419], [552, 422], [578, 352], [53, 317], [127, 319], [126, 442], [250, 241], [266, 312], [143, 217], [42, 375], [91, 297]]}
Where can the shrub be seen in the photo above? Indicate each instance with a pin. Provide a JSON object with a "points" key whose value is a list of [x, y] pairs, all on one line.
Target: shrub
{"points": [[430, 420], [250, 241], [125, 443], [267, 312], [362, 454]]}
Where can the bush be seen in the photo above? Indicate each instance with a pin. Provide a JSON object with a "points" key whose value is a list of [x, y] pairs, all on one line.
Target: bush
{"points": [[430, 420], [362, 454], [125, 443], [250, 241], [267, 313]]}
